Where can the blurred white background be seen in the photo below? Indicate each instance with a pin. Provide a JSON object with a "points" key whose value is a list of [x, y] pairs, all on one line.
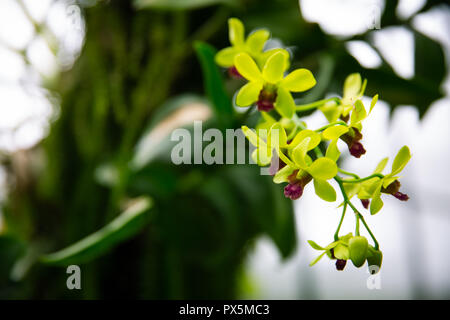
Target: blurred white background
{"points": [[414, 236]]}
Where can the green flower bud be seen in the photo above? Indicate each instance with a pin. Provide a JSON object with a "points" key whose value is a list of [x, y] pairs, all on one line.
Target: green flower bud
{"points": [[374, 258], [358, 250]]}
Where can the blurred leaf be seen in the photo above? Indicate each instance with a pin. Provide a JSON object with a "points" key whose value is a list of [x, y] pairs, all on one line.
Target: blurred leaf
{"points": [[175, 113], [180, 4], [268, 206], [11, 250], [429, 64], [126, 225], [214, 85]]}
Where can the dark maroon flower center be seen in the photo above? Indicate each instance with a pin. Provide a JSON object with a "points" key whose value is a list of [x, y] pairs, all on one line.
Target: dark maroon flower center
{"points": [[233, 72], [293, 191], [266, 99], [365, 203], [393, 189], [352, 139], [340, 264]]}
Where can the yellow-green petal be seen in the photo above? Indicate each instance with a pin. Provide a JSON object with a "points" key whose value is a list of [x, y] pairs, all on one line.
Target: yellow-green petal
{"points": [[299, 80], [299, 153], [314, 136], [373, 102], [247, 67], [262, 156], [381, 165], [333, 151], [283, 174], [324, 190], [401, 159], [376, 204], [277, 137], [253, 137], [352, 85], [274, 68], [285, 104], [266, 54], [334, 132], [225, 57], [236, 32], [256, 40], [316, 259], [248, 94], [359, 113], [323, 169], [315, 245]]}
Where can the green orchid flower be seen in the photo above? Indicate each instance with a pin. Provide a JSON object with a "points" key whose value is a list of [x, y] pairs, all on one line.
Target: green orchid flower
{"points": [[269, 88], [349, 247], [253, 46], [353, 90], [372, 188], [337, 250], [300, 169]]}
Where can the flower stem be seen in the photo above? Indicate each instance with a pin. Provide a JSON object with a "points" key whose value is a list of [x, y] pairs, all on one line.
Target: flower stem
{"points": [[314, 105], [359, 215], [348, 173], [341, 123], [336, 234], [375, 175]]}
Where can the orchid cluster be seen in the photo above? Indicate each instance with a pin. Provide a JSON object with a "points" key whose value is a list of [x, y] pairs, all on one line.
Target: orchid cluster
{"points": [[293, 151]]}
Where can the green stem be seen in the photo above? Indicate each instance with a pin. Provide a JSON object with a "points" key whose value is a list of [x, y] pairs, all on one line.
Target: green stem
{"points": [[348, 173], [341, 123], [359, 215], [375, 175], [314, 105], [357, 225], [336, 234]]}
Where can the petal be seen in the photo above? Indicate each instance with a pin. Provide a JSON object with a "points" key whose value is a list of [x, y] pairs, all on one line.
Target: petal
{"points": [[331, 111], [299, 80], [352, 85], [253, 137], [358, 114], [236, 32], [381, 165], [400, 161], [323, 169], [299, 153], [284, 103], [324, 190], [341, 252], [274, 68], [376, 204], [247, 67], [316, 259], [373, 102], [256, 41], [267, 54], [225, 57], [277, 137], [283, 174], [315, 245], [334, 132], [248, 94], [332, 151], [262, 156], [299, 137]]}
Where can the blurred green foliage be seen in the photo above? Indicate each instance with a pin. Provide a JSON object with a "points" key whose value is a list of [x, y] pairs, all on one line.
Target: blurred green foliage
{"points": [[139, 60]]}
